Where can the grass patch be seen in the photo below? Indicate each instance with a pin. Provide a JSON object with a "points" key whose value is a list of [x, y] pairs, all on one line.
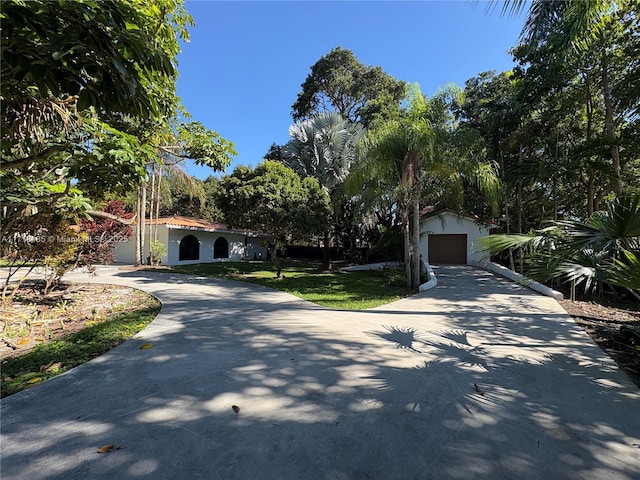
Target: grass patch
{"points": [[339, 290], [4, 263], [57, 356]]}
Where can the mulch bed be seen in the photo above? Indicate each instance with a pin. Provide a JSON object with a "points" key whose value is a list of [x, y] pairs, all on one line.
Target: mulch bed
{"points": [[33, 318]]}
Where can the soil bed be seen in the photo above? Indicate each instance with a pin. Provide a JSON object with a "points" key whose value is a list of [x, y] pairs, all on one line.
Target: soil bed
{"points": [[33, 319], [603, 321]]}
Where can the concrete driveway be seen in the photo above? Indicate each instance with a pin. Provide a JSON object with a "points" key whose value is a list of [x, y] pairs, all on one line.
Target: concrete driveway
{"points": [[324, 394]]}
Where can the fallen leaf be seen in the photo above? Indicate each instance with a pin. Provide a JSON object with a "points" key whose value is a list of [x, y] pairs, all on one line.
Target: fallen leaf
{"points": [[51, 366], [108, 448], [22, 341], [34, 380], [146, 346], [235, 408]]}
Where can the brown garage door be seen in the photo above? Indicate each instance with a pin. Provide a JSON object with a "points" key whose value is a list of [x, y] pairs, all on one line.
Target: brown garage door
{"points": [[448, 248]]}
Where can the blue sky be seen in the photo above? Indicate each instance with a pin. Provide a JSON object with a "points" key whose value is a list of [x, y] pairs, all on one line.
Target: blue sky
{"points": [[242, 69]]}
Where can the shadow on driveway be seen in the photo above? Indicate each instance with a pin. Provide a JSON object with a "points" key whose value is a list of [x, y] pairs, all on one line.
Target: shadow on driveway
{"points": [[327, 394]]}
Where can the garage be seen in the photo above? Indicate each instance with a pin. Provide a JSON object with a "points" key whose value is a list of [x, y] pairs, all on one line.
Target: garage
{"points": [[448, 237], [448, 249]]}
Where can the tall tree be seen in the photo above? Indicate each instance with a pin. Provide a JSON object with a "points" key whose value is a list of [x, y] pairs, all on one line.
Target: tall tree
{"points": [[323, 147], [88, 99], [273, 199], [359, 93], [400, 147], [423, 144], [569, 26]]}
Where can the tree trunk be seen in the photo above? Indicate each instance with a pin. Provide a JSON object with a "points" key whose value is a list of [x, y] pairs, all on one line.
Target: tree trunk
{"points": [[609, 126], [273, 250], [152, 210], [406, 180], [143, 219], [138, 225], [407, 243], [155, 234], [416, 229], [326, 252]]}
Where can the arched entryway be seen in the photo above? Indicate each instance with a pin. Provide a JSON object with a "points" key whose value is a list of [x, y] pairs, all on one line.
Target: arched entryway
{"points": [[221, 248], [189, 248]]}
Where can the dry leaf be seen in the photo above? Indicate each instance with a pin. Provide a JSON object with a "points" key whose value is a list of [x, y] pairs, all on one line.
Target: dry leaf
{"points": [[51, 366], [108, 448], [146, 346], [34, 380], [22, 341]]}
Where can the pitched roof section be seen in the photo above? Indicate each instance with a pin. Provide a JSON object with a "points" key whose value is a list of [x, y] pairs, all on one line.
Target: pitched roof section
{"points": [[188, 223], [433, 211]]}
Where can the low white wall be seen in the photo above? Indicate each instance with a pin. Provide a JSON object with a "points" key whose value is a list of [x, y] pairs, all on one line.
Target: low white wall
{"points": [[521, 279], [432, 282], [370, 266]]}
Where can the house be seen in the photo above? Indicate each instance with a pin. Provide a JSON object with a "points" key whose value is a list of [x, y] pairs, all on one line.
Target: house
{"points": [[189, 240], [448, 237]]}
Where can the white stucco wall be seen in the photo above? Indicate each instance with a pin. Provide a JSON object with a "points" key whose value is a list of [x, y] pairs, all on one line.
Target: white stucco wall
{"points": [[450, 223], [126, 251], [237, 249]]}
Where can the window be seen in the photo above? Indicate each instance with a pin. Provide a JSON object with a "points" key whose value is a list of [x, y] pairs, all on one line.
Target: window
{"points": [[221, 248], [189, 248]]}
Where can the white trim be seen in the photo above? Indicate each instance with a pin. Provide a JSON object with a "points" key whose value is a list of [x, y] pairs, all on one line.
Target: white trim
{"points": [[521, 279], [370, 266], [432, 282]]}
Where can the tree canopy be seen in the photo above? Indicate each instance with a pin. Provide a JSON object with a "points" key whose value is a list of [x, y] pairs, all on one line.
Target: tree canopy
{"points": [[339, 82], [89, 100], [273, 199]]}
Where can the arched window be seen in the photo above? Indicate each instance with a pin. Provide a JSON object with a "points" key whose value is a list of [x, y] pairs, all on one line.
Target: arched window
{"points": [[189, 248], [221, 248]]}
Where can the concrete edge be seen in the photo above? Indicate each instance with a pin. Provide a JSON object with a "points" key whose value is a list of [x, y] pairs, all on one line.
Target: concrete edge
{"points": [[520, 279], [432, 282], [370, 266]]}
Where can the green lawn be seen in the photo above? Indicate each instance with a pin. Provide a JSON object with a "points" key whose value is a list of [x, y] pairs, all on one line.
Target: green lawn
{"points": [[346, 291]]}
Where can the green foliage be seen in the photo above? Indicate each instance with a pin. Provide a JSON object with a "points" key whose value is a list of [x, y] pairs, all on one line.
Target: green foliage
{"points": [[89, 103], [273, 199], [604, 250], [105, 53], [339, 82], [323, 147], [157, 250], [206, 147]]}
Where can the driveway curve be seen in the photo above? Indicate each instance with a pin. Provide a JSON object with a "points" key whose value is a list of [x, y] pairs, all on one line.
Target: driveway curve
{"points": [[477, 378]]}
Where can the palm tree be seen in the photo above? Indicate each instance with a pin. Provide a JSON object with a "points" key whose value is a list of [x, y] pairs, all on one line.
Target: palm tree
{"points": [[424, 142], [569, 26], [323, 147], [604, 250], [399, 148]]}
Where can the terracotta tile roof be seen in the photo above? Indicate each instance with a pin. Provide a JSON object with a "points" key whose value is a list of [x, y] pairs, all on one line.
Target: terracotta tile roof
{"points": [[189, 223]]}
